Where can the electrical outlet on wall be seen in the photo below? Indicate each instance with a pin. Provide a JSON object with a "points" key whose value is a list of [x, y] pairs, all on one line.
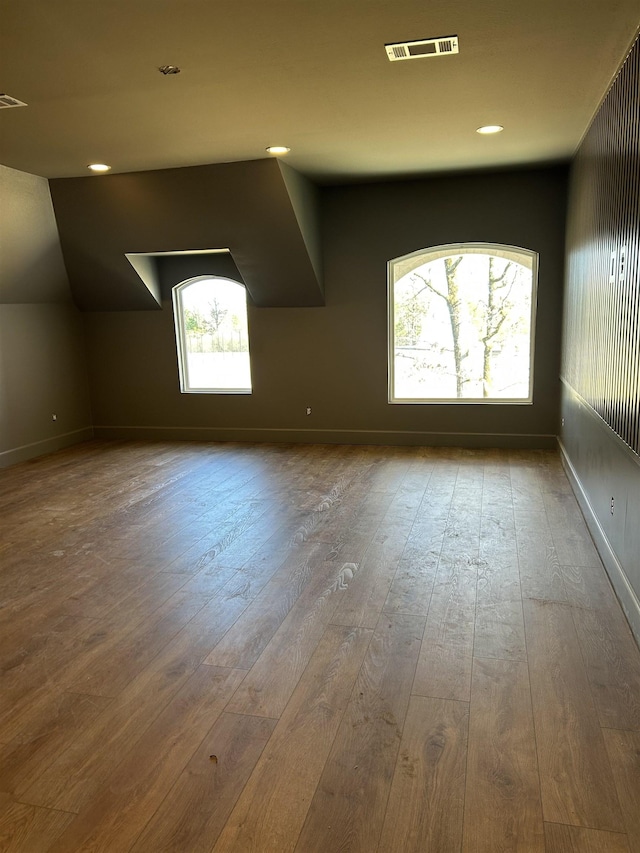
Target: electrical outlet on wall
{"points": [[612, 505], [54, 417], [308, 410]]}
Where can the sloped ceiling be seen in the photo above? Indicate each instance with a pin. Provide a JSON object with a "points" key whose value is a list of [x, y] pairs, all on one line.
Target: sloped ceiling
{"points": [[115, 231]]}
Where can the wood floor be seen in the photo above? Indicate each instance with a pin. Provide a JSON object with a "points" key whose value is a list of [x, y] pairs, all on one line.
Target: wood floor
{"points": [[305, 649]]}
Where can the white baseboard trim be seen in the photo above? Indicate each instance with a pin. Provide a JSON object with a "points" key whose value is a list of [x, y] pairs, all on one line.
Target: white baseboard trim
{"points": [[47, 445], [623, 589]]}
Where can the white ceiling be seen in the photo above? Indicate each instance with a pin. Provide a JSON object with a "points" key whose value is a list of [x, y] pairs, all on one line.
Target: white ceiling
{"points": [[310, 74]]}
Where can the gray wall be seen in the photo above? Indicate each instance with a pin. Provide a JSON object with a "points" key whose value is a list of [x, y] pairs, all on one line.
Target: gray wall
{"points": [[42, 361], [600, 437], [266, 220], [334, 358]]}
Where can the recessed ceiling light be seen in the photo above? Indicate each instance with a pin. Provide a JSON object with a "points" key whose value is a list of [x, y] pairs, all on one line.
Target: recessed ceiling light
{"points": [[99, 167], [278, 150], [490, 128]]}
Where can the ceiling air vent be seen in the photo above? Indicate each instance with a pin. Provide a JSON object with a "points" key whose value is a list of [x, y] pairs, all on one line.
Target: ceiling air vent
{"points": [[424, 47], [7, 101]]}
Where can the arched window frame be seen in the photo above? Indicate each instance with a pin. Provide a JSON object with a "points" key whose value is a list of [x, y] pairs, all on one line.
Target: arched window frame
{"points": [[399, 267], [186, 385]]}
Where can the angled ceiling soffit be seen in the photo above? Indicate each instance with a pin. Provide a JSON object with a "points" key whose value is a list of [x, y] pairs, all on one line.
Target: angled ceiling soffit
{"points": [[124, 236], [161, 271]]}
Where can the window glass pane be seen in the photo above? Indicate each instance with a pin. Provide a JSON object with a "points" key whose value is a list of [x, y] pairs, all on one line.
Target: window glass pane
{"points": [[461, 325], [213, 336]]}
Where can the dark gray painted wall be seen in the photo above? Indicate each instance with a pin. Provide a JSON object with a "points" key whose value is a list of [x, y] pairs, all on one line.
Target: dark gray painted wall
{"points": [[42, 359], [601, 351], [244, 207], [366, 226], [305, 199], [31, 265], [602, 466], [334, 358]]}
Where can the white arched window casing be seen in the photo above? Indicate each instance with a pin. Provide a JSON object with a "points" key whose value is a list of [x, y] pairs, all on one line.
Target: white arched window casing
{"points": [[461, 324], [212, 336]]}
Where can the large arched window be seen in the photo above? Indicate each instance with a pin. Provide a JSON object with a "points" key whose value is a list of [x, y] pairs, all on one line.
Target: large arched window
{"points": [[212, 336], [461, 324]]}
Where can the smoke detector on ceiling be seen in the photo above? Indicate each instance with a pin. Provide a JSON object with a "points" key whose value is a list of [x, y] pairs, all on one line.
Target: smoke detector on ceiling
{"points": [[419, 49], [7, 101]]}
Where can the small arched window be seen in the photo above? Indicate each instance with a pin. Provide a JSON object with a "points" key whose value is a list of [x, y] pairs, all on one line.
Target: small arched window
{"points": [[461, 324], [212, 336]]}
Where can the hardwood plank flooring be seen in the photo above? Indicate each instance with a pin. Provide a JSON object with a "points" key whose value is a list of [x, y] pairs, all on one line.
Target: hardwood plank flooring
{"points": [[444, 663], [249, 648], [127, 798], [245, 641], [502, 782], [575, 839], [624, 754], [426, 803], [23, 760], [612, 663], [28, 829], [217, 772], [273, 678], [576, 780], [272, 808], [347, 809]]}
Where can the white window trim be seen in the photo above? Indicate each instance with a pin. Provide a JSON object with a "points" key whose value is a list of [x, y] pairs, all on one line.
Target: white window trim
{"points": [[407, 263], [181, 342]]}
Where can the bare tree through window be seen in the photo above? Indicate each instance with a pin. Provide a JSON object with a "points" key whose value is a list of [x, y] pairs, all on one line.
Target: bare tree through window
{"points": [[462, 324]]}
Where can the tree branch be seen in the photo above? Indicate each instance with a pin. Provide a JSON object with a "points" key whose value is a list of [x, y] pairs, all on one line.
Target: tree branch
{"points": [[427, 284]]}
